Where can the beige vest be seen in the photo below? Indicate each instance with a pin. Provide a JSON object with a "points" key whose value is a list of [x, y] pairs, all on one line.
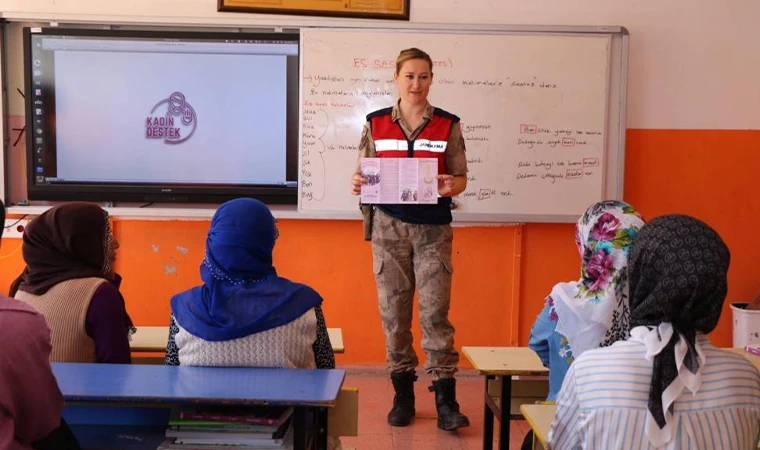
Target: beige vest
{"points": [[287, 346], [65, 308]]}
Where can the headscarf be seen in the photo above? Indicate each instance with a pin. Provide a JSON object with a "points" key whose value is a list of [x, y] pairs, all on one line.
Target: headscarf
{"points": [[66, 242], [593, 311], [241, 292], [678, 269], [30, 401]]}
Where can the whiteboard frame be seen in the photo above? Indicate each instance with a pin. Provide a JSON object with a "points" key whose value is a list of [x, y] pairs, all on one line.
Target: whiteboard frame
{"points": [[613, 187], [615, 125]]}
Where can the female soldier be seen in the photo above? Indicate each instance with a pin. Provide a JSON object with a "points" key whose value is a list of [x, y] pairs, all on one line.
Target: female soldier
{"points": [[412, 243]]}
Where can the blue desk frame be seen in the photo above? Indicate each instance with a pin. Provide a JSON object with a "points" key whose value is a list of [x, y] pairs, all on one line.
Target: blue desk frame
{"points": [[141, 395]]}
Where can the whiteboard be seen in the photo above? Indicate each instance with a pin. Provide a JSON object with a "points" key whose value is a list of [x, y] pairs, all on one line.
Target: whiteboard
{"points": [[542, 115]]}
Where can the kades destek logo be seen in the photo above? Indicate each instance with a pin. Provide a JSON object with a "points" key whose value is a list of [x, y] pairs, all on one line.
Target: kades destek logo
{"points": [[172, 119]]}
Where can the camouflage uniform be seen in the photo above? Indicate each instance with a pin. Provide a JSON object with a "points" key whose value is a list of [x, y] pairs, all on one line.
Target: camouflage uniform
{"points": [[407, 254]]}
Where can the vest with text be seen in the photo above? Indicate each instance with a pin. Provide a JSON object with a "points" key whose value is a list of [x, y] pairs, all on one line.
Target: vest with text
{"points": [[431, 142]]}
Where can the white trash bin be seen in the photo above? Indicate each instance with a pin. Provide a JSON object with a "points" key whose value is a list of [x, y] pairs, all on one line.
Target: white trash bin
{"points": [[746, 325]]}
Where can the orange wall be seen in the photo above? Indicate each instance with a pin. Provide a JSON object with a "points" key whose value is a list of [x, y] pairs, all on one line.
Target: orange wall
{"points": [[708, 174]]}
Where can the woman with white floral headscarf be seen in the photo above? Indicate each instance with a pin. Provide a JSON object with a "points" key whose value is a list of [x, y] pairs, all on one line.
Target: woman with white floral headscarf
{"points": [[592, 311]]}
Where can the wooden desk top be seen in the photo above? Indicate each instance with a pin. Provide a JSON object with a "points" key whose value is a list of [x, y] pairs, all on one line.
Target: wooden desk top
{"points": [[540, 418], [754, 359], [153, 339], [176, 385], [149, 339], [336, 339], [505, 360]]}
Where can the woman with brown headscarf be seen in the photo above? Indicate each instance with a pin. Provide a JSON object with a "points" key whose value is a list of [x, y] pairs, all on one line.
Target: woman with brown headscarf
{"points": [[69, 277]]}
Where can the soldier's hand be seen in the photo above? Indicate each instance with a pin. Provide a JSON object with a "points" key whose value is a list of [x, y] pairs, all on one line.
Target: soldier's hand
{"points": [[445, 185], [356, 183]]}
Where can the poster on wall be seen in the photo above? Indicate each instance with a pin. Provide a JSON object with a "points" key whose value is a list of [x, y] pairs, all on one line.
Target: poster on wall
{"points": [[365, 9]]}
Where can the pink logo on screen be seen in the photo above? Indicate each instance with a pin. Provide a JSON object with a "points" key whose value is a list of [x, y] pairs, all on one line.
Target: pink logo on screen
{"points": [[172, 119]]}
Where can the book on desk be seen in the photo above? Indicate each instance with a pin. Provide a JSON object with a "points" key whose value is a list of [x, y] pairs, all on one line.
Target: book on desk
{"points": [[254, 427], [253, 415]]}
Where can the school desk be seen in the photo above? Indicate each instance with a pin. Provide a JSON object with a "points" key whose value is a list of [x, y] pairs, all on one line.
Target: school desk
{"points": [[504, 363], [153, 339], [127, 405], [540, 418]]}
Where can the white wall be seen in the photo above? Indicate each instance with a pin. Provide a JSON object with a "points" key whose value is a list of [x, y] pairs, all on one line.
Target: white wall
{"points": [[693, 63]]}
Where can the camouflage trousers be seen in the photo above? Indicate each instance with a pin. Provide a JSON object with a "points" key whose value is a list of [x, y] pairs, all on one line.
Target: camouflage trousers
{"points": [[405, 255]]}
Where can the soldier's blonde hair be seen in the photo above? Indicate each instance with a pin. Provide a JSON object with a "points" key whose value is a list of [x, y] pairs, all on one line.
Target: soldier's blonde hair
{"points": [[412, 53]]}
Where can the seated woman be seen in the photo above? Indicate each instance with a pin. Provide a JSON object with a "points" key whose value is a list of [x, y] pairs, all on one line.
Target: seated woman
{"points": [[30, 400], [666, 386], [69, 252], [593, 311], [244, 314]]}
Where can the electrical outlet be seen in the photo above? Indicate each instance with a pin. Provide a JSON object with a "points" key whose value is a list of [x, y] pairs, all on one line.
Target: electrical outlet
{"points": [[14, 228]]}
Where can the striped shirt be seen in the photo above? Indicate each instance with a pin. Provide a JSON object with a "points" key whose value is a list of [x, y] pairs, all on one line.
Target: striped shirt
{"points": [[603, 402]]}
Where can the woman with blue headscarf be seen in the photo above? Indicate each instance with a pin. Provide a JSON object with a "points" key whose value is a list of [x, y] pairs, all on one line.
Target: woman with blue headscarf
{"points": [[244, 314]]}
